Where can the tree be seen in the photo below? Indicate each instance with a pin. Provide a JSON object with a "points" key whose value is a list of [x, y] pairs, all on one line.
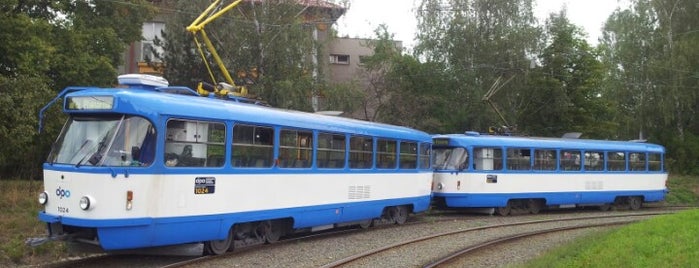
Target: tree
{"points": [[565, 94], [274, 37], [650, 49], [476, 42], [48, 45]]}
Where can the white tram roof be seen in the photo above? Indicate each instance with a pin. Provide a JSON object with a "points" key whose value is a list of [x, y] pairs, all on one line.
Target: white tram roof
{"points": [[548, 143], [151, 103]]}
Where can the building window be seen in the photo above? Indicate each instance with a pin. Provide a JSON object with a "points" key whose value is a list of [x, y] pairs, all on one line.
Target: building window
{"points": [[339, 59], [151, 30]]}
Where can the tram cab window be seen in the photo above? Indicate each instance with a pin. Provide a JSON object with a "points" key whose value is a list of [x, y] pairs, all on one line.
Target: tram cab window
{"points": [[616, 161], [655, 162], [408, 155], [425, 153], [253, 146], [637, 161], [295, 148], [361, 152], [385, 154], [487, 158], [570, 160], [105, 141], [450, 158], [331, 150], [194, 143]]}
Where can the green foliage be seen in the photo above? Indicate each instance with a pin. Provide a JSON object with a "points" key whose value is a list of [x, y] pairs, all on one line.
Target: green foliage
{"points": [[648, 51], [270, 36], [20, 158], [565, 93], [474, 43], [663, 241], [684, 190], [345, 97], [48, 45]]}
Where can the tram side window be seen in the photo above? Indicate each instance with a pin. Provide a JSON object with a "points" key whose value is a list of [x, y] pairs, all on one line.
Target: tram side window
{"points": [[361, 152], [570, 160], [616, 161], [386, 154], [545, 159], [295, 148], [487, 158], [655, 162], [425, 152], [253, 146], [408, 155], [331, 150], [637, 161], [518, 159], [195, 144], [594, 161]]}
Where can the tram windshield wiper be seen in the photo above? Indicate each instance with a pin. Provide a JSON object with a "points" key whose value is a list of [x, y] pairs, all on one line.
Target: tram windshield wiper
{"points": [[84, 149]]}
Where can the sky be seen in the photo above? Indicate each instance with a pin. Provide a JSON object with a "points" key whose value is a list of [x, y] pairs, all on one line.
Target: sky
{"points": [[364, 16]]}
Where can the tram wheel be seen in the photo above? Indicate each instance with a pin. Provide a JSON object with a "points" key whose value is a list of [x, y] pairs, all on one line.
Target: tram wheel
{"points": [[635, 202], [218, 247], [399, 214], [534, 206], [503, 211], [365, 224], [605, 207], [273, 231]]}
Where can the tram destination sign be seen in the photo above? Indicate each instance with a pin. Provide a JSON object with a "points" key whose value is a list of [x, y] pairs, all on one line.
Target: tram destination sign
{"points": [[89, 103]]}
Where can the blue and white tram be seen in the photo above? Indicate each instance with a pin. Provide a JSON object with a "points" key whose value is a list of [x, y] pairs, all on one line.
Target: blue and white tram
{"points": [[136, 167], [524, 174]]}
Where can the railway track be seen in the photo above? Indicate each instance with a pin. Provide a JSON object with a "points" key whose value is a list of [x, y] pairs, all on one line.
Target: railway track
{"points": [[383, 254], [452, 258], [146, 258]]}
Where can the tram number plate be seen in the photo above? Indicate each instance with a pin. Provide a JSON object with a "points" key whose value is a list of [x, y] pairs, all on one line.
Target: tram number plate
{"points": [[204, 185]]}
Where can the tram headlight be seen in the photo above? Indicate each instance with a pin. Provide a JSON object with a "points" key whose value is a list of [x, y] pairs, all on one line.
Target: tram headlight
{"points": [[85, 202], [43, 198]]}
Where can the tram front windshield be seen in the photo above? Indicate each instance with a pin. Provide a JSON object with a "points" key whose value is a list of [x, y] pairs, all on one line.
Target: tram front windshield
{"points": [[450, 158], [105, 141]]}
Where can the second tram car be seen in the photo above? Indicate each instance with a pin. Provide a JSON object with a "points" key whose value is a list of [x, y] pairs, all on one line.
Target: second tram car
{"points": [[508, 174], [139, 167]]}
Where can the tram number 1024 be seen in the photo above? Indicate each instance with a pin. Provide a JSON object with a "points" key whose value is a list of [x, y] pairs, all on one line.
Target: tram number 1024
{"points": [[202, 190], [204, 185]]}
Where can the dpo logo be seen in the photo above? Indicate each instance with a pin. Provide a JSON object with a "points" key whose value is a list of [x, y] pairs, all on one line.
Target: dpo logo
{"points": [[61, 193]]}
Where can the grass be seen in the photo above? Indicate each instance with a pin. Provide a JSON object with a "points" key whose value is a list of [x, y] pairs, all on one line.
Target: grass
{"points": [[667, 239], [20, 207], [684, 190], [663, 241]]}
